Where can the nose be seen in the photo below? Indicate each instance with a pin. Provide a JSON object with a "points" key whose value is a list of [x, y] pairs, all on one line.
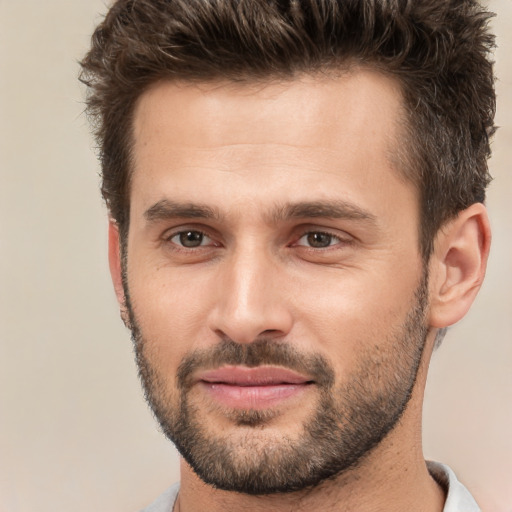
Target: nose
{"points": [[251, 301]]}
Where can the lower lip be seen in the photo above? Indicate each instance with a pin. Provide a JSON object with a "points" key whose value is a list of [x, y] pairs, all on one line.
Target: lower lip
{"points": [[253, 397]]}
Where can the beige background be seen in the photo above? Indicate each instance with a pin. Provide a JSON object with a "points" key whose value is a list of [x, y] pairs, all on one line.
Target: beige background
{"points": [[75, 433]]}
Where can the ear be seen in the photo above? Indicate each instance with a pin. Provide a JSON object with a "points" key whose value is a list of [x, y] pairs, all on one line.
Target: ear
{"points": [[116, 272], [457, 266]]}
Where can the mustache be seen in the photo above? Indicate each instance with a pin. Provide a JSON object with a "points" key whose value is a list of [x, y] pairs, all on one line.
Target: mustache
{"points": [[258, 353]]}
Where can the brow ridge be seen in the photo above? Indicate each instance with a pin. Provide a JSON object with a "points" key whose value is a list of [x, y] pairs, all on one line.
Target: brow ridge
{"points": [[330, 209], [167, 209]]}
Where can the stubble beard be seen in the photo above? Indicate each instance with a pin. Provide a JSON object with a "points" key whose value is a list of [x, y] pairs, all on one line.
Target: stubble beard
{"points": [[349, 420]]}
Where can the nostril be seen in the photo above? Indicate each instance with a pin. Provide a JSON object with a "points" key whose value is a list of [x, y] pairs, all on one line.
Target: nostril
{"points": [[245, 324], [271, 332], [266, 334]]}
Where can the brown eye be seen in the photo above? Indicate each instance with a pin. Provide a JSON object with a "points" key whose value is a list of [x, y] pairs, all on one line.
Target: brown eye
{"points": [[318, 240], [190, 239]]}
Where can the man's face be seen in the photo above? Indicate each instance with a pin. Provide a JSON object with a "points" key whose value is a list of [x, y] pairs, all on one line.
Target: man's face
{"points": [[273, 277]]}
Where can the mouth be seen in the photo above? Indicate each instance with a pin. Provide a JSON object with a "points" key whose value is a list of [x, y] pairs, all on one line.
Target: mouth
{"points": [[257, 388]]}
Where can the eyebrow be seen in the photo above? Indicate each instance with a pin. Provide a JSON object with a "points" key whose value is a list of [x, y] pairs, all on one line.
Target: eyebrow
{"points": [[329, 209], [166, 209]]}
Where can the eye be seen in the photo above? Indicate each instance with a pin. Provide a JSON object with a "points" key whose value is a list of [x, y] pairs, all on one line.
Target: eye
{"points": [[190, 238], [318, 240]]}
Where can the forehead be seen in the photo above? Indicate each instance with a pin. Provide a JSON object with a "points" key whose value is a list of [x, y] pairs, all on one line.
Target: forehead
{"points": [[289, 138], [246, 111]]}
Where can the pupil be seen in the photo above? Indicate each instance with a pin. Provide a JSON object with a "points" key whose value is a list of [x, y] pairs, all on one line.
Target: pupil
{"points": [[191, 238], [319, 239]]}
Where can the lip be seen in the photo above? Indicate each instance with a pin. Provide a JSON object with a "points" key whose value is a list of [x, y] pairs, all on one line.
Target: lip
{"points": [[262, 387]]}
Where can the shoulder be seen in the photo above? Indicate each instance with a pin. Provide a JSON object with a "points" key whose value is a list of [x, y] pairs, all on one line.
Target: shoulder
{"points": [[458, 498], [164, 502]]}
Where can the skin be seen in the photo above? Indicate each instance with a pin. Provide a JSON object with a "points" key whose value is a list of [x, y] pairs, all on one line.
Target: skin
{"points": [[245, 151]]}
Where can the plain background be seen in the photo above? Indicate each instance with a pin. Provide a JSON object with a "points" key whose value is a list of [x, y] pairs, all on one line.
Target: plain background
{"points": [[75, 433]]}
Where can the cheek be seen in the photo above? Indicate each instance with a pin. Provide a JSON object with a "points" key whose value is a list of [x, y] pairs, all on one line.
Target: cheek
{"points": [[354, 310], [170, 310]]}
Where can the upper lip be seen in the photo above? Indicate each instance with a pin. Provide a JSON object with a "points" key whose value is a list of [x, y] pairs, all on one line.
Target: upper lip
{"points": [[258, 376]]}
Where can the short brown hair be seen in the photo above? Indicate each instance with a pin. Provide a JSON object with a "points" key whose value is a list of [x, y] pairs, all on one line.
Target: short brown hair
{"points": [[439, 50]]}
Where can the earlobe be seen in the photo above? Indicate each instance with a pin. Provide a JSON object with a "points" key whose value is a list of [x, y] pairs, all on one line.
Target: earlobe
{"points": [[116, 270], [458, 264]]}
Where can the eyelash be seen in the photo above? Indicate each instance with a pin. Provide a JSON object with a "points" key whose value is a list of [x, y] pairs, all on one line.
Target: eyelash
{"points": [[305, 234], [332, 238], [181, 246]]}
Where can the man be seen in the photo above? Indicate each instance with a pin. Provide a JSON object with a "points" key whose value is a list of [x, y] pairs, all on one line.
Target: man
{"points": [[295, 192]]}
